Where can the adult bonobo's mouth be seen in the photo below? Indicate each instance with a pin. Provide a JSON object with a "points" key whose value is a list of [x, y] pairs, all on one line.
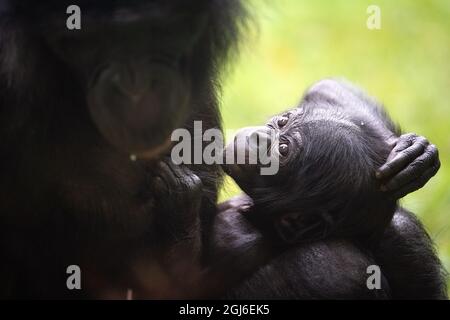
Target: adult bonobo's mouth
{"points": [[136, 104]]}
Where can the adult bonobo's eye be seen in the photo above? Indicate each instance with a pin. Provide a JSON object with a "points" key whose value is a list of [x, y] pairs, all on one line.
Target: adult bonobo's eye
{"points": [[282, 121], [283, 149]]}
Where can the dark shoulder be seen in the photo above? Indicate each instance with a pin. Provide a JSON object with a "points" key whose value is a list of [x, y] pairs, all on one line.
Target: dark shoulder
{"points": [[408, 258], [406, 223]]}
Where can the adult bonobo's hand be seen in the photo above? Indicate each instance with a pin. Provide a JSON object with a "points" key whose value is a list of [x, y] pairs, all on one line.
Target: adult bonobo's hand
{"points": [[178, 193], [412, 162]]}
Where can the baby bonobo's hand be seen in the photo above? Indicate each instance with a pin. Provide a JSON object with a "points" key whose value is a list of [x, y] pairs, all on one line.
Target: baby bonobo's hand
{"points": [[412, 162]]}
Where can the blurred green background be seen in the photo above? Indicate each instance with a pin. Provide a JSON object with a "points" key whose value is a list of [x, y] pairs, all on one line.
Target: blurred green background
{"points": [[405, 64]]}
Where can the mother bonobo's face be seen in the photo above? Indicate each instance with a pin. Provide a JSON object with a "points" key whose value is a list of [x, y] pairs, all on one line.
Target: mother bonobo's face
{"points": [[132, 59]]}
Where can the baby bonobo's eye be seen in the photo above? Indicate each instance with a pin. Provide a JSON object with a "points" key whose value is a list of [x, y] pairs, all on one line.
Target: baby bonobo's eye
{"points": [[282, 121], [283, 149]]}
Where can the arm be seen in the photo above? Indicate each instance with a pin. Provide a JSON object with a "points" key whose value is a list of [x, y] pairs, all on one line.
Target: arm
{"points": [[236, 248], [178, 192], [409, 261], [245, 265], [254, 267]]}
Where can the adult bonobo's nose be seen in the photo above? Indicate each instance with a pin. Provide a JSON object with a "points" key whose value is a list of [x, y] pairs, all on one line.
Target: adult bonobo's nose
{"points": [[136, 104]]}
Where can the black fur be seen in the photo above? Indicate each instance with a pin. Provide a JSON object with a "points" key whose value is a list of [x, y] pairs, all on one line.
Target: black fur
{"points": [[69, 196]]}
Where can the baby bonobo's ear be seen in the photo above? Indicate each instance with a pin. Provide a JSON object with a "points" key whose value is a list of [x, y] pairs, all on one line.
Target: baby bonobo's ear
{"points": [[298, 227]]}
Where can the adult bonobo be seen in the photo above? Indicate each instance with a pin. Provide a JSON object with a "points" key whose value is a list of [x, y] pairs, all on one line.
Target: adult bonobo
{"points": [[75, 104]]}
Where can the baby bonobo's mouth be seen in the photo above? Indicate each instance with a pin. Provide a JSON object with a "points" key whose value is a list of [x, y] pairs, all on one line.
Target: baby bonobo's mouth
{"points": [[250, 150]]}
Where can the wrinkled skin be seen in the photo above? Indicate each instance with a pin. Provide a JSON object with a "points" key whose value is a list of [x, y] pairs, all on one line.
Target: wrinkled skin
{"points": [[412, 162]]}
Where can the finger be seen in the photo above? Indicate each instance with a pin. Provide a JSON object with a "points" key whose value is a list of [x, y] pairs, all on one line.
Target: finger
{"points": [[438, 161], [183, 175], [402, 143], [196, 181], [175, 169], [402, 159], [168, 175], [186, 180], [393, 141], [429, 159], [405, 141], [419, 183], [160, 185], [190, 179], [411, 172]]}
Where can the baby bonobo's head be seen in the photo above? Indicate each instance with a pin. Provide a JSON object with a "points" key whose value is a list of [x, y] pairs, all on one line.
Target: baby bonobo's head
{"points": [[326, 183]]}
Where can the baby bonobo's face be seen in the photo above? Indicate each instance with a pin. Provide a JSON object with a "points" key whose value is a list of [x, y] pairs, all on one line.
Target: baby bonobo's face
{"points": [[254, 148], [326, 179]]}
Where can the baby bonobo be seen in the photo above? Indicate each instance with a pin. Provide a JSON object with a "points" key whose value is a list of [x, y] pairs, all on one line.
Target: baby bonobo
{"points": [[330, 148]]}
